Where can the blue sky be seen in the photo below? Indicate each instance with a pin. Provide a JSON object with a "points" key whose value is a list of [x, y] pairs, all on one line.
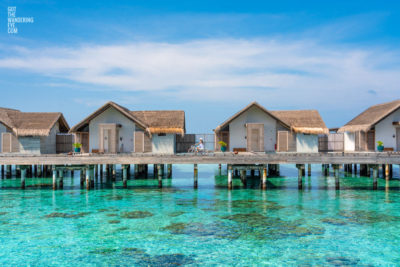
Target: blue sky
{"points": [[209, 58]]}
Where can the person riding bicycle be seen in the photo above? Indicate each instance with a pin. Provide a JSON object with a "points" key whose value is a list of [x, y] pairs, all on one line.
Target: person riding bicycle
{"points": [[197, 147], [200, 146]]}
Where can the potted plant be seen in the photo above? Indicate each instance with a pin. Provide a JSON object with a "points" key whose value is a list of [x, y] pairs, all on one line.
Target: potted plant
{"points": [[222, 145], [380, 146], [77, 147]]}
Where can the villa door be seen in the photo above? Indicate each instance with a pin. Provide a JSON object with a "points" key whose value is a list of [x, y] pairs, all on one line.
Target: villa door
{"points": [[106, 142], [255, 137], [398, 138]]}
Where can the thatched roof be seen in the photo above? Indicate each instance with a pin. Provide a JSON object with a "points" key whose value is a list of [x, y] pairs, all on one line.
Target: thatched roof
{"points": [[240, 112], [32, 123], [370, 117], [153, 121], [303, 121], [162, 121]]}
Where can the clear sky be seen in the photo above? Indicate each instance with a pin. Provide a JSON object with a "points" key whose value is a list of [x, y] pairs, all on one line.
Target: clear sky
{"points": [[209, 58]]}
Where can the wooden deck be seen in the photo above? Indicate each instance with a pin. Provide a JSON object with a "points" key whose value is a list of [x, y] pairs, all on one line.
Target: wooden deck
{"points": [[209, 158]]}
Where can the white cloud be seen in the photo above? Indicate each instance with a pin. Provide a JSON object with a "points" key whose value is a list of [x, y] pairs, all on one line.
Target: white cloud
{"points": [[229, 69]]}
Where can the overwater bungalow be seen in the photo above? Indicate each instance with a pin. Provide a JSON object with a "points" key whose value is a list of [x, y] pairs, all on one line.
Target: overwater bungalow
{"points": [[257, 129], [30, 132], [115, 129], [377, 123]]}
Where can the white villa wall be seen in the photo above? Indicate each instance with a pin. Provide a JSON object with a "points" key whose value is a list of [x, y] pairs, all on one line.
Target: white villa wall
{"points": [[306, 143], [3, 129], [385, 130], [29, 144], [111, 115], [349, 141], [163, 144], [48, 143], [238, 130]]}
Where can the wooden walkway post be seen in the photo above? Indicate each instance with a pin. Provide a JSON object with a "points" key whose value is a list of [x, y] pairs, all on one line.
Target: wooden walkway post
{"points": [[299, 176], [2, 171], [243, 177], [54, 178], [159, 174], [220, 169], [61, 175], [82, 176], [230, 174], [309, 170], [124, 176], [387, 177], [23, 175], [375, 176], [264, 178], [114, 172], [336, 170], [40, 173], [8, 171], [101, 171], [169, 170], [195, 176], [88, 178]]}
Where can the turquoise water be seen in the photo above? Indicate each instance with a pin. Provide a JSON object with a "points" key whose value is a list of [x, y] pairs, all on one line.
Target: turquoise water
{"points": [[177, 225]]}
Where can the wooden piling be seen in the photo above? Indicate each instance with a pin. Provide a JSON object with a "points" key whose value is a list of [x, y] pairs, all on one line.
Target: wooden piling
{"points": [[101, 171], [375, 176], [220, 169], [299, 176], [2, 171], [114, 172], [88, 178], [309, 170], [54, 179], [159, 174], [169, 170], [23, 175], [230, 174], [82, 176], [355, 169], [387, 177], [124, 176], [336, 171], [61, 178], [264, 178], [243, 177], [195, 176], [8, 171]]}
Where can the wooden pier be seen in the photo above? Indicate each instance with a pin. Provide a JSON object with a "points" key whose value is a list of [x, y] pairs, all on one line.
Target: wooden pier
{"points": [[265, 164], [208, 158]]}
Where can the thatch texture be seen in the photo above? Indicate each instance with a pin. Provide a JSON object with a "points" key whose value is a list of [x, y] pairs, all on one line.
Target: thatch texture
{"points": [[153, 121], [162, 121], [303, 121], [240, 112], [370, 117], [32, 123]]}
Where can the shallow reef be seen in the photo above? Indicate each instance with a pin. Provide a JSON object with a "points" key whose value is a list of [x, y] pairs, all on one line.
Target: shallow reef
{"points": [[368, 217], [342, 261], [137, 214], [174, 213], [66, 215]]}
